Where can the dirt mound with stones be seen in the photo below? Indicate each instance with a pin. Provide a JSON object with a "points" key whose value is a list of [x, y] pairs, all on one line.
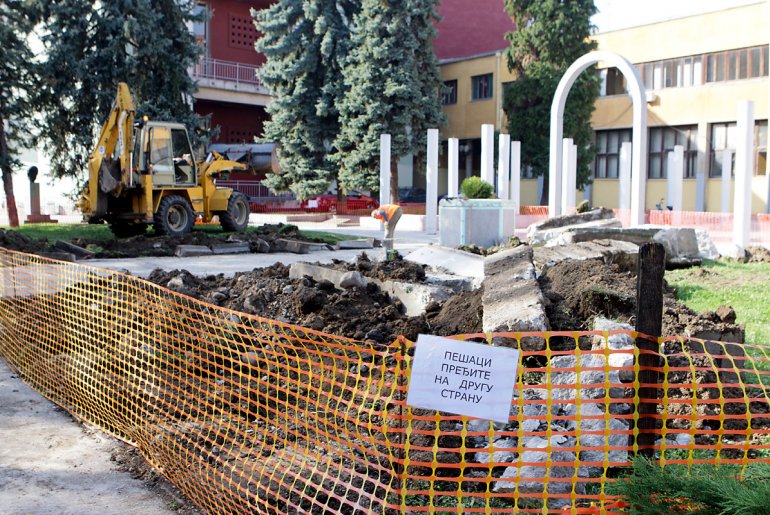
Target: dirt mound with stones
{"points": [[262, 239], [358, 313], [576, 292]]}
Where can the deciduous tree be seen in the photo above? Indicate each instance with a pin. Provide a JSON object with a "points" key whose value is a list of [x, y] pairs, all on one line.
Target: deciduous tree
{"points": [[550, 35]]}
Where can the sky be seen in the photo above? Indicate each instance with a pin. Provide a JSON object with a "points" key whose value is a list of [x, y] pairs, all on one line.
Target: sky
{"points": [[619, 14]]}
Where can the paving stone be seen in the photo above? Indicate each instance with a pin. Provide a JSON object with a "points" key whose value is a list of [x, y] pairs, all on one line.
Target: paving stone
{"points": [[231, 248], [192, 250]]}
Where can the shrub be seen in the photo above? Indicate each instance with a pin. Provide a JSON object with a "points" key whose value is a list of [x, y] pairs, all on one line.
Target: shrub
{"points": [[704, 489], [475, 187]]}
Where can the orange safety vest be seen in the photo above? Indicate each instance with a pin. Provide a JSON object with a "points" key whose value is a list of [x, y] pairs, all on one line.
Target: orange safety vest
{"points": [[385, 212]]}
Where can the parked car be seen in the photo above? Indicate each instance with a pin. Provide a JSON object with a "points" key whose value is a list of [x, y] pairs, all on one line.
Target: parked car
{"points": [[327, 203]]}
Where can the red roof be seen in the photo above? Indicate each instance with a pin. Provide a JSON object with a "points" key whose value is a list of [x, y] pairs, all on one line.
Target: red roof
{"points": [[471, 27]]}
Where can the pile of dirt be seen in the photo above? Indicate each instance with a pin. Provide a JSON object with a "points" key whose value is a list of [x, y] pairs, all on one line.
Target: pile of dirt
{"points": [[576, 292], [14, 240], [757, 255], [358, 313], [262, 239]]}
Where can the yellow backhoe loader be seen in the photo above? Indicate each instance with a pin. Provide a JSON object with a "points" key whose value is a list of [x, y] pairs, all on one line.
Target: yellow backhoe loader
{"points": [[143, 173]]}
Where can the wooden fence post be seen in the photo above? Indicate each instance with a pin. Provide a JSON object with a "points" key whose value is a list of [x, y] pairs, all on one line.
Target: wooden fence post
{"points": [[649, 321]]}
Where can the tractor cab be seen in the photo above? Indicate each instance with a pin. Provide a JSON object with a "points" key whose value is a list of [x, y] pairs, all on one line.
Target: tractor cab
{"points": [[163, 150]]}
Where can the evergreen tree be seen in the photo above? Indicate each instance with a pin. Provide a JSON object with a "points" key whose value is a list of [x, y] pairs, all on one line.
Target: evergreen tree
{"points": [[305, 42], [17, 80], [393, 87], [90, 47], [550, 35]]}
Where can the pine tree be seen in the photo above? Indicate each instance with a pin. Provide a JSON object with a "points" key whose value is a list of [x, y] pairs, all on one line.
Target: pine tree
{"points": [[90, 47], [305, 43], [550, 36], [393, 87], [17, 82]]}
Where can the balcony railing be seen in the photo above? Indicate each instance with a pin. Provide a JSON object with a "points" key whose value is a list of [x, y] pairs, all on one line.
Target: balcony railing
{"points": [[230, 71]]}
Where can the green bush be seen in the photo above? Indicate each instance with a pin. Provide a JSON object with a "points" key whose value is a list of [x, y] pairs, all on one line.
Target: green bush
{"points": [[474, 187], [703, 489]]}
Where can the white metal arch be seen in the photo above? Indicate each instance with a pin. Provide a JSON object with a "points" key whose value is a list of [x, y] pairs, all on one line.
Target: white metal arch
{"points": [[639, 131]]}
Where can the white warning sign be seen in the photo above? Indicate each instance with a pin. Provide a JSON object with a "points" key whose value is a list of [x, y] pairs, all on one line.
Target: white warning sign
{"points": [[463, 377]]}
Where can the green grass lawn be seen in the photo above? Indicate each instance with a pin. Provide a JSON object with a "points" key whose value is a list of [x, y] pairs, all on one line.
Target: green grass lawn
{"points": [[744, 286], [102, 232]]}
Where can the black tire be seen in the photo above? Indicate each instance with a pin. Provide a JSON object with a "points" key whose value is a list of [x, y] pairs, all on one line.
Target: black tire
{"points": [[236, 218], [174, 217], [128, 229]]}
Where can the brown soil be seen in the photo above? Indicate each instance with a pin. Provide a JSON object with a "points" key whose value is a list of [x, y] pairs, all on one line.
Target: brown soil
{"points": [[576, 292], [149, 245], [361, 314], [757, 255]]}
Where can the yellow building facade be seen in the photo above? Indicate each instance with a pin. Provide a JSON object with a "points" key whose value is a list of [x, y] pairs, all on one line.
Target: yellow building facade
{"points": [[696, 70]]}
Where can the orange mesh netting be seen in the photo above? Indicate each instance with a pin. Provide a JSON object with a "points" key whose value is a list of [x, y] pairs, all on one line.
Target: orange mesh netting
{"points": [[248, 415]]}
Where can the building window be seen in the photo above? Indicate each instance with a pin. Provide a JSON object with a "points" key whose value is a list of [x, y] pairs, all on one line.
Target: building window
{"points": [[724, 137], [243, 34], [200, 26], [760, 146], [481, 87], [683, 72], [449, 94], [662, 143], [607, 160], [612, 82]]}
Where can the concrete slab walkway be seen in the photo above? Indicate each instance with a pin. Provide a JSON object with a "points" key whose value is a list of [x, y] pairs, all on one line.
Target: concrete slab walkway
{"points": [[50, 464]]}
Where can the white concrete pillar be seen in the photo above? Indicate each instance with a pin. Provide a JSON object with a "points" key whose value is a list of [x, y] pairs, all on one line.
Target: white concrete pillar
{"points": [[453, 168], [727, 178], [488, 153], [504, 166], [431, 184], [701, 166], [516, 175], [384, 169], [569, 176], [624, 178], [675, 178], [744, 166]]}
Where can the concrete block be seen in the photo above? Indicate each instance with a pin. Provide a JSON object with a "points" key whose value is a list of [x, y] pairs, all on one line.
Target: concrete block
{"points": [[456, 283], [569, 220], [575, 234], [231, 248], [415, 297], [446, 259], [319, 273], [60, 256], [681, 246], [80, 252], [512, 299], [562, 235], [367, 243], [706, 247], [192, 250]]}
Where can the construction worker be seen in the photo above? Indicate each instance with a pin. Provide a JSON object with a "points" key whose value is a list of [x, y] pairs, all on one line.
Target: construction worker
{"points": [[389, 214]]}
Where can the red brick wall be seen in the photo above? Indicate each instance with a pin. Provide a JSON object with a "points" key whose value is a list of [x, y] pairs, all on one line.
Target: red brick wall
{"points": [[471, 28], [231, 31]]}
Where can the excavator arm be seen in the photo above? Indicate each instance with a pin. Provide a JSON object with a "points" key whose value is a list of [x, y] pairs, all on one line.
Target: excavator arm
{"points": [[109, 165]]}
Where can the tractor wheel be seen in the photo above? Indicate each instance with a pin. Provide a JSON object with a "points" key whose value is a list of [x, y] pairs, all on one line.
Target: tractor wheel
{"points": [[236, 218], [128, 229], [174, 216]]}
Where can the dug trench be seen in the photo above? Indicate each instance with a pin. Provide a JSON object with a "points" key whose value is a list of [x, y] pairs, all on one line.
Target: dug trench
{"points": [[576, 293]]}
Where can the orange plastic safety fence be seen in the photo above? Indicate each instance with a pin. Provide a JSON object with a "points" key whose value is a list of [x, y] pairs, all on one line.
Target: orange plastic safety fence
{"points": [[249, 415]]}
